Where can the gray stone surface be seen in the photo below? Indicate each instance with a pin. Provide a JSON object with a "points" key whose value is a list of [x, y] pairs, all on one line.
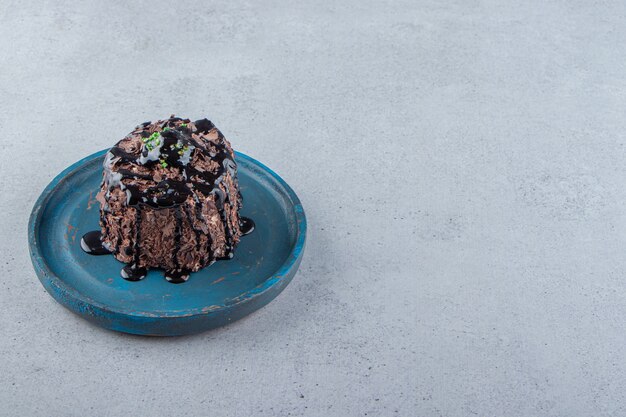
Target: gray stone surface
{"points": [[462, 168]]}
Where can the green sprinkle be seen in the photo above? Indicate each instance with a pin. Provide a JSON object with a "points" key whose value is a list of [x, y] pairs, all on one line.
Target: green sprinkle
{"points": [[166, 129], [151, 142], [184, 125], [163, 164]]}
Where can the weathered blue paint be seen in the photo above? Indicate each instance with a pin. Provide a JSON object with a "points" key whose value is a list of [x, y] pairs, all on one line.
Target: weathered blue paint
{"points": [[90, 286]]}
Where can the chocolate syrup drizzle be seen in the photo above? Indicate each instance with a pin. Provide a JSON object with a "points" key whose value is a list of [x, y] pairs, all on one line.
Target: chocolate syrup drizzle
{"points": [[91, 243], [246, 225], [177, 146]]}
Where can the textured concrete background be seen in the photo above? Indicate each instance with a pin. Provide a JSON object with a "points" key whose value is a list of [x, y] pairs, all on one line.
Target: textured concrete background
{"points": [[462, 168]]}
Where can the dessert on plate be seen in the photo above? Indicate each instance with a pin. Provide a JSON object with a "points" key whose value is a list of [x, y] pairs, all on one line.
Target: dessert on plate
{"points": [[169, 199]]}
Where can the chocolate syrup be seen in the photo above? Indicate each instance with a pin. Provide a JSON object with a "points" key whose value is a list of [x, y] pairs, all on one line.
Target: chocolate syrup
{"points": [[174, 148], [132, 273], [177, 276], [136, 248], [246, 225], [178, 231], [203, 125], [91, 243]]}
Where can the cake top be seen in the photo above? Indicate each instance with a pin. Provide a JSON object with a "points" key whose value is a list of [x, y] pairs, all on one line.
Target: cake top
{"points": [[163, 163]]}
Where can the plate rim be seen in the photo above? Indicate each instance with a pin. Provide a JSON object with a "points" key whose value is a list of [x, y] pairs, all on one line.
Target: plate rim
{"points": [[43, 271]]}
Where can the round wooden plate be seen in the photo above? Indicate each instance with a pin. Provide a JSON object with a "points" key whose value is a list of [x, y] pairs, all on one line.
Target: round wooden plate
{"points": [[264, 263]]}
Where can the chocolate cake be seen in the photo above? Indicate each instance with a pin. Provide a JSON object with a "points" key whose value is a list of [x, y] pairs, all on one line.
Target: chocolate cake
{"points": [[169, 199]]}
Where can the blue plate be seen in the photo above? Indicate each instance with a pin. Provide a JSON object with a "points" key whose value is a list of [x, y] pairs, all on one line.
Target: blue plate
{"points": [[265, 261]]}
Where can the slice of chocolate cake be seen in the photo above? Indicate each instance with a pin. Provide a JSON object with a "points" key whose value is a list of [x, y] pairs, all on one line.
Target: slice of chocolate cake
{"points": [[169, 199]]}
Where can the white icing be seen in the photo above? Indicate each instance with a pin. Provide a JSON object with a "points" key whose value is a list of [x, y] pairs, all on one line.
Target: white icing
{"points": [[111, 179]]}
